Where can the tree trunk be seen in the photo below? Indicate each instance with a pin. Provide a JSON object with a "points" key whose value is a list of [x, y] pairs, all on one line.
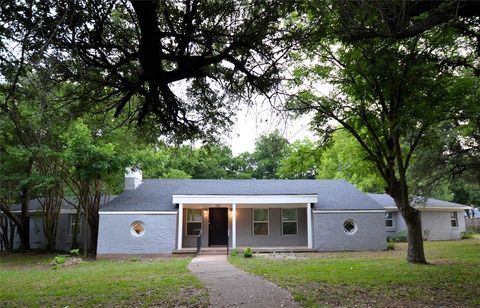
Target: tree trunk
{"points": [[51, 205], [93, 216], [5, 237], [12, 234], [24, 228], [415, 252], [76, 227], [412, 217]]}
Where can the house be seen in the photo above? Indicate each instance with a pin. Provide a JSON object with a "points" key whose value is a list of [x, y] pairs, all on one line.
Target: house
{"points": [[163, 216], [155, 216], [65, 226], [441, 220]]}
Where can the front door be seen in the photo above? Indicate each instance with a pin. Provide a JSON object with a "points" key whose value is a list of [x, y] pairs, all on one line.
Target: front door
{"points": [[218, 226]]}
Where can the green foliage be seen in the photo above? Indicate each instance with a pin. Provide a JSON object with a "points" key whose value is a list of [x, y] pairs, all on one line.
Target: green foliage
{"points": [[234, 252], [75, 252], [390, 245], [176, 174], [58, 261], [88, 157], [400, 236], [248, 253], [467, 235], [473, 230], [269, 151], [301, 162], [345, 159]]}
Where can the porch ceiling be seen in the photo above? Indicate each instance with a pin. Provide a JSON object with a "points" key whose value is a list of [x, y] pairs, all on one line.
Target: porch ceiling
{"points": [[244, 206]]}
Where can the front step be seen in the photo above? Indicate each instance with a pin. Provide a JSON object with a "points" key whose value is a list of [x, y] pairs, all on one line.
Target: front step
{"points": [[210, 251]]}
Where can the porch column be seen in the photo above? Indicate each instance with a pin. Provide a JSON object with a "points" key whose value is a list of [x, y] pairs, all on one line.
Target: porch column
{"points": [[234, 225], [180, 226], [309, 225]]}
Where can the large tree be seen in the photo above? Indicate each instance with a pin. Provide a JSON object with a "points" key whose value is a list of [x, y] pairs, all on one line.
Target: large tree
{"points": [[388, 93], [345, 158], [270, 149], [88, 162], [174, 65], [301, 162]]}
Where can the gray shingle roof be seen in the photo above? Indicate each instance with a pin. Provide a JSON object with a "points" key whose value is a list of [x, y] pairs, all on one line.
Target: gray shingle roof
{"points": [[387, 201], [156, 194]]}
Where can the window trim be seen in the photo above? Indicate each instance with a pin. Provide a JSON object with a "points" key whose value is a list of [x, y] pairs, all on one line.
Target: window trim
{"points": [[133, 232], [355, 225], [193, 221], [455, 219], [295, 221], [71, 222], [386, 219], [260, 221]]}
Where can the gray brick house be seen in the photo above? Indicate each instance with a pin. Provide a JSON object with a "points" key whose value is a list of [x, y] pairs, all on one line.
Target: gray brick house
{"points": [[157, 216], [441, 220], [154, 216]]}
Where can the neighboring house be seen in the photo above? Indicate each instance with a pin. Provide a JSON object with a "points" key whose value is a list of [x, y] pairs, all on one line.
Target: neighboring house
{"points": [[164, 216], [65, 228], [441, 220]]}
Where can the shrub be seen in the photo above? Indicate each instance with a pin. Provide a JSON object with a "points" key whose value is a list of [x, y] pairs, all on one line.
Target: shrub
{"points": [[58, 261], [234, 252], [426, 232], [398, 237], [247, 253], [467, 234], [473, 230], [75, 252], [390, 245]]}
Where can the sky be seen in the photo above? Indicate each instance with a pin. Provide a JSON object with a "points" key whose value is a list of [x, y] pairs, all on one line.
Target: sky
{"points": [[252, 122]]}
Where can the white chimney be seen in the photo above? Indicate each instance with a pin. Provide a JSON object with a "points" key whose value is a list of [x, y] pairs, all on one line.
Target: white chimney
{"points": [[133, 178]]}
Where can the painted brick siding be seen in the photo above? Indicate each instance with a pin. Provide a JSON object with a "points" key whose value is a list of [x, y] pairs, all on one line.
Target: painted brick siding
{"points": [[114, 236], [275, 237], [436, 226], [328, 233], [63, 240]]}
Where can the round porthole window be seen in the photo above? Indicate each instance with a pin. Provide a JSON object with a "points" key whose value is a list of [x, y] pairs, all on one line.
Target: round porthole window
{"points": [[137, 228], [349, 226]]}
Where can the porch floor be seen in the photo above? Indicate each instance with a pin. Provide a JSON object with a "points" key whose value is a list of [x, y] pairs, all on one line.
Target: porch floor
{"points": [[223, 250]]}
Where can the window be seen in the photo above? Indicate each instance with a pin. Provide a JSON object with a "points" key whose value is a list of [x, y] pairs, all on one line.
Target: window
{"points": [[289, 221], [349, 226], [137, 228], [389, 219], [260, 221], [453, 219], [194, 221], [72, 224]]}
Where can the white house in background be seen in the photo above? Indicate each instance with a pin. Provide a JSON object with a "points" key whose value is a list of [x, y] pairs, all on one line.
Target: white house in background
{"points": [[441, 220]]}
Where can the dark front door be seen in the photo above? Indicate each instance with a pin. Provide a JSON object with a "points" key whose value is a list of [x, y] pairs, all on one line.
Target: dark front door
{"points": [[218, 226]]}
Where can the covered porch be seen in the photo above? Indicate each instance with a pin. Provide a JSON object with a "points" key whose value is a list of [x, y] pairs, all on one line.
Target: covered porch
{"points": [[262, 222]]}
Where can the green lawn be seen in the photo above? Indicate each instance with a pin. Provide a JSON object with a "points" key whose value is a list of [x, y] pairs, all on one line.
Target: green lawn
{"points": [[27, 280], [377, 278]]}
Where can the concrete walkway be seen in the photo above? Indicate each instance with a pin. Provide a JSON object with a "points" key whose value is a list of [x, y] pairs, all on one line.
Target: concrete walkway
{"points": [[230, 286]]}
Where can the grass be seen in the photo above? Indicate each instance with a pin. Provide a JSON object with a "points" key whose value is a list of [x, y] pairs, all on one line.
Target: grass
{"points": [[377, 278], [28, 280]]}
